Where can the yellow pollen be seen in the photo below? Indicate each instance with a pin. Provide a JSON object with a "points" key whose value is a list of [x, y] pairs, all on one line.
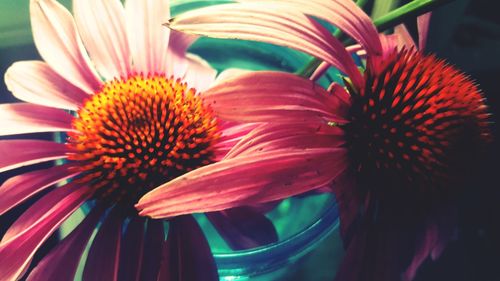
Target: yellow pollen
{"points": [[139, 132]]}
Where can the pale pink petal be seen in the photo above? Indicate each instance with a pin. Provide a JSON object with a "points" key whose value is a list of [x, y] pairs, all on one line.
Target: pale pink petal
{"points": [[19, 188], [272, 97], [132, 250], [24, 118], [345, 15], [269, 137], [423, 22], [178, 44], [18, 153], [62, 262], [59, 44], [35, 82], [104, 254], [322, 68], [35, 225], [148, 38], [229, 73], [102, 27], [404, 36], [199, 74], [245, 180], [271, 23]]}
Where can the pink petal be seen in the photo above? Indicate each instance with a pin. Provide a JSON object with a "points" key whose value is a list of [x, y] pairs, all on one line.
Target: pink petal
{"points": [[187, 255], [423, 22], [102, 27], [268, 137], [271, 23], [404, 36], [104, 254], [35, 225], [178, 44], [230, 73], [24, 118], [244, 180], [345, 15], [35, 82], [426, 244], [199, 74], [19, 188], [272, 97], [231, 133], [132, 251], [148, 38], [18, 153], [59, 44], [61, 263]]}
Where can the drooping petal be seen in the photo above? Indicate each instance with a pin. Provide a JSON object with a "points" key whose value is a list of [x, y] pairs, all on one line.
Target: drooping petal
{"points": [[19, 188], [34, 227], [24, 118], [104, 254], [231, 134], [187, 255], [59, 44], [244, 180], [272, 96], [148, 38], [199, 74], [423, 22], [62, 262], [155, 238], [35, 82], [102, 27], [268, 137], [132, 251], [345, 15], [271, 23], [404, 36], [18, 153], [243, 227]]}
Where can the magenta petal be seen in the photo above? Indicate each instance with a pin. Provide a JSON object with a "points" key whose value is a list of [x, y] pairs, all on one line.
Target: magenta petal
{"points": [[155, 238], [18, 153], [61, 263], [187, 255], [24, 118], [104, 254], [243, 227], [132, 251], [29, 231], [19, 188]]}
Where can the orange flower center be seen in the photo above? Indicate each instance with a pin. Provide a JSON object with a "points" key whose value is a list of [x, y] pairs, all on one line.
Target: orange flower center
{"points": [[139, 132], [415, 119]]}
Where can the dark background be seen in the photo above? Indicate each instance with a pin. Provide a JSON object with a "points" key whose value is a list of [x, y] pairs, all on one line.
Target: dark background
{"points": [[467, 34]]}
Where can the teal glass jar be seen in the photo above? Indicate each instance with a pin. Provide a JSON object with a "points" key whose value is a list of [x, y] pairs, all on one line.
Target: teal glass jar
{"points": [[302, 224]]}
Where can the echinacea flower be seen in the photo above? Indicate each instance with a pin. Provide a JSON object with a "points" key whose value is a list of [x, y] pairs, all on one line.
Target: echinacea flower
{"points": [[393, 143], [130, 99]]}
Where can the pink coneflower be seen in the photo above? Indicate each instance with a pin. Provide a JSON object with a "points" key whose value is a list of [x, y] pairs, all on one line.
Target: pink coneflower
{"points": [[137, 120], [393, 143]]}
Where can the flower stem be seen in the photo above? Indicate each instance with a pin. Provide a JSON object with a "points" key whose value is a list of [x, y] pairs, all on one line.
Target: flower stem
{"points": [[391, 19]]}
